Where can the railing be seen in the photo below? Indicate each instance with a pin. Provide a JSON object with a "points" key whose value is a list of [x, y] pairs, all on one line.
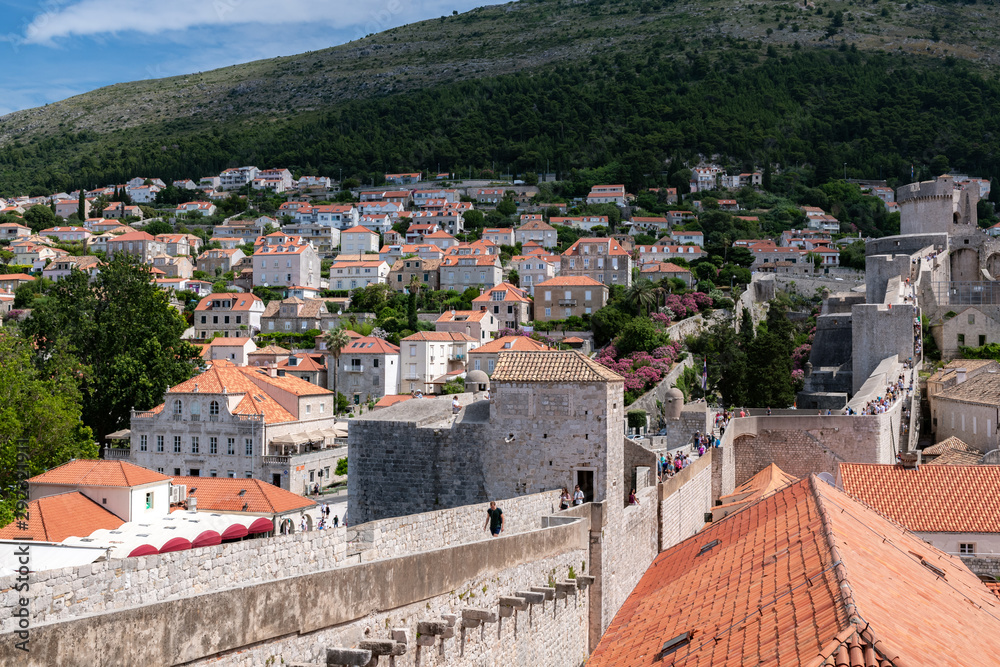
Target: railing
{"points": [[412, 376], [177, 417], [144, 414], [196, 418], [276, 460], [567, 302], [457, 357], [213, 418], [117, 454], [354, 369]]}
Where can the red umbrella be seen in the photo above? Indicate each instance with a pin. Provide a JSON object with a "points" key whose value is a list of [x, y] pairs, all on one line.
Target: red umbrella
{"points": [[207, 539], [143, 550], [175, 544], [234, 532], [261, 525]]}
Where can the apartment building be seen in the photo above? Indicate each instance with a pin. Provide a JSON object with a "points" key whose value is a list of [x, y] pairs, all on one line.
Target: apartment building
{"points": [[566, 296], [460, 272], [358, 274], [602, 259], [533, 269], [426, 271], [536, 231], [137, 244], [481, 325], [427, 358], [219, 260], [285, 261], [368, 369], [510, 305], [358, 239], [228, 314]]}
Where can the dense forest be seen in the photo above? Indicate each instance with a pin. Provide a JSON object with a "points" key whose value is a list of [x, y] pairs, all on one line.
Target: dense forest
{"points": [[871, 114]]}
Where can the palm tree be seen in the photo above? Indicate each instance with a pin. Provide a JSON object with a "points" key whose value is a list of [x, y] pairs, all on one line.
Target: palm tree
{"points": [[336, 340], [641, 295]]}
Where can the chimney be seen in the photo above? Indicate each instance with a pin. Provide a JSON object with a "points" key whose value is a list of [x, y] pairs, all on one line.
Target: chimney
{"points": [[910, 460], [192, 504], [272, 371], [960, 375]]}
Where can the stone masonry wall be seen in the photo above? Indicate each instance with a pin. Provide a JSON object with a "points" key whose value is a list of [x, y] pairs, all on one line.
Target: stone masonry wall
{"points": [[237, 625], [122, 583], [630, 545], [550, 634], [684, 500], [983, 566]]}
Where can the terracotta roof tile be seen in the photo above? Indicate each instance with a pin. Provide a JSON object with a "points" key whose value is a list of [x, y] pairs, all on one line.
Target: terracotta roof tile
{"points": [[460, 337], [806, 576], [392, 399], [369, 345], [983, 389], [54, 518], [98, 472], [955, 457], [559, 281], [226, 494], [940, 498], [510, 343], [551, 366]]}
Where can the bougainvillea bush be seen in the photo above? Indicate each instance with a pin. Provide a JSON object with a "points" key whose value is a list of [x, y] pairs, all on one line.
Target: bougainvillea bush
{"points": [[641, 370], [688, 304]]}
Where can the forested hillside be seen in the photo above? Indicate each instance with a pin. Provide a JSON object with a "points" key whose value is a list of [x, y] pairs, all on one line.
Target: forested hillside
{"points": [[584, 101]]}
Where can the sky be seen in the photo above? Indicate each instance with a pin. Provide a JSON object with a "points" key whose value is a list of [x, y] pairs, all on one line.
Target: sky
{"points": [[54, 49]]}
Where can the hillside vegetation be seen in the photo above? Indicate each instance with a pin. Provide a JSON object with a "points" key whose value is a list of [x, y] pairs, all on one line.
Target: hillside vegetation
{"points": [[568, 84]]}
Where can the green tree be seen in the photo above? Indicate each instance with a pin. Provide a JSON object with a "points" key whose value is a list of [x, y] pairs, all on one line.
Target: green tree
{"points": [[81, 206], [158, 227], [39, 415], [639, 335], [336, 340], [39, 217], [507, 207], [642, 295], [123, 328], [607, 322]]}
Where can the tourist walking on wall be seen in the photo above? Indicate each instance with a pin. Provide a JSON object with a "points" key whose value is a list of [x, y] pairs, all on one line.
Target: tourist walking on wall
{"points": [[494, 519], [336, 521], [564, 499], [577, 496]]}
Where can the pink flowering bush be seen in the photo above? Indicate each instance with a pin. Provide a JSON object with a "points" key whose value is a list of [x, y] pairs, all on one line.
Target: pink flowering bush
{"points": [[661, 318], [641, 370], [688, 304], [800, 356]]}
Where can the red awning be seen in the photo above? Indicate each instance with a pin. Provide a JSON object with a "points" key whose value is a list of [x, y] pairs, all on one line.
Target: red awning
{"points": [[143, 550], [175, 544], [261, 525], [234, 532], [207, 539]]}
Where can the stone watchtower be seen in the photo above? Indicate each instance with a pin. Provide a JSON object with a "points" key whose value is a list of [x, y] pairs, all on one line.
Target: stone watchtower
{"points": [[934, 207], [557, 420]]}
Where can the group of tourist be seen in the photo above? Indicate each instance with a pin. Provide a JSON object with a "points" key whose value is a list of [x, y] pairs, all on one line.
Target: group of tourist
{"points": [[669, 464], [722, 418], [881, 404]]}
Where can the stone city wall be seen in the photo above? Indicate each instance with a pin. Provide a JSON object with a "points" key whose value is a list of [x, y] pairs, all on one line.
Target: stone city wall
{"points": [[119, 584], [802, 445], [983, 566], [631, 542], [296, 618], [684, 500], [649, 400]]}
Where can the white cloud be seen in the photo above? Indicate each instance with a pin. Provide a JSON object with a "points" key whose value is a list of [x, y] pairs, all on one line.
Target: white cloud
{"points": [[102, 17]]}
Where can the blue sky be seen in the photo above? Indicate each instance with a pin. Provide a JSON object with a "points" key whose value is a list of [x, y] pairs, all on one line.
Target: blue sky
{"points": [[53, 49]]}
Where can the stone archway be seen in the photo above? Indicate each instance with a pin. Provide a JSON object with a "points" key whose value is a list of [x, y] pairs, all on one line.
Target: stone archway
{"points": [[993, 265]]}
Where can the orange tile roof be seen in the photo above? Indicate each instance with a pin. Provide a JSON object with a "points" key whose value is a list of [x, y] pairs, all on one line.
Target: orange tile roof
{"points": [[358, 229], [614, 249], [390, 400], [98, 472], [560, 281], [240, 300], [369, 345], [807, 576], [54, 518], [768, 481], [512, 294], [227, 494], [468, 315], [441, 336], [511, 344], [551, 366], [663, 267], [941, 498], [224, 341]]}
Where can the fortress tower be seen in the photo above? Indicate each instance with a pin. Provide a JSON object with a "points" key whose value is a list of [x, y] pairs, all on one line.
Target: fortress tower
{"points": [[933, 207]]}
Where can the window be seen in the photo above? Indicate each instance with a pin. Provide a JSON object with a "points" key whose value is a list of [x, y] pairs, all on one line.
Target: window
{"points": [[413, 350], [204, 319], [213, 446], [548, 295], [586, 295], [177, 445], [230, 474], [194, 444], [972, 319], [215, 319], [248, 447], [248, 474], [149, 501], [177, 472], [375, 362], [309, 409], [213, 408], [142, 443], [230, 446], [159, 443], [966, 549], [177, 407], [213, 473], [982, 340], [961, 339], [548, 312], [490, 364], [226, 319]]}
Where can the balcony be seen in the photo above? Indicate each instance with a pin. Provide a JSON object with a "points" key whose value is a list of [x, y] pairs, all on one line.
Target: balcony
{"points": [[458, 356], [117, 454], [412, 376], [276, 461], [354, 369], [570, 303]]}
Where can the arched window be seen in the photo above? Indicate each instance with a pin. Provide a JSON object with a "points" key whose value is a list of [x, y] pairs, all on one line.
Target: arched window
{"points": [[177, 407], [213, 408]]}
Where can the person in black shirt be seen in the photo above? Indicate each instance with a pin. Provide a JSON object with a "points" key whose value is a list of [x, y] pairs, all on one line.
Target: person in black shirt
{"points": [[494, 519]]}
